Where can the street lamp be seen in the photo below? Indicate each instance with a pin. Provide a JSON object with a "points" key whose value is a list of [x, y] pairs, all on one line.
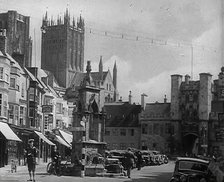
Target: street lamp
{"points": [[103, 115], [85, 137]]}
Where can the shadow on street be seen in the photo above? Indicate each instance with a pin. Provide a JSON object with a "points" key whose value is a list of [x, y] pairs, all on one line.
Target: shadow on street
{"points": [[156, 177]]}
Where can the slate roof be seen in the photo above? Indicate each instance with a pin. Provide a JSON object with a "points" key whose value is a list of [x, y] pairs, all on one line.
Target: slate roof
{"points": [[156, 111], [78, 77], [120, 115]]}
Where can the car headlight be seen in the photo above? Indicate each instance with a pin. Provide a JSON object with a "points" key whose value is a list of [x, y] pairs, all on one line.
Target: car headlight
{"points": [[183, 178]]}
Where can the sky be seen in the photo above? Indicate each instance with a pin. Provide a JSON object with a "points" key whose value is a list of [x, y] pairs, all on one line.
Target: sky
{"points": [[149, 40]]}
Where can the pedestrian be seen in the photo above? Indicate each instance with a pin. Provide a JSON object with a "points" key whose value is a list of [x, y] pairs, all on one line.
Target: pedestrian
{"points": [[55, 157], [139, 160], [31, 154], [129, 161]]}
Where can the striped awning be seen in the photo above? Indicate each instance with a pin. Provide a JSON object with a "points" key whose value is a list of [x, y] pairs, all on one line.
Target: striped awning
{"points": [[8, 132], [66, 136], [62, 141], [44, 138]]}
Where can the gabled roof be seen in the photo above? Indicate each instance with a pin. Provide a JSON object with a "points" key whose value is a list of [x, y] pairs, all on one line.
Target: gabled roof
{"points": [[78, 77], [16, 64], [96, 75], [30, 75], [1, 54], [156, 111], [120, 115]]}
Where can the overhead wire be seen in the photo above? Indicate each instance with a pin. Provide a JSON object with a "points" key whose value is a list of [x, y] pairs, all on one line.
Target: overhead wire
{"points": [[144, 39]]}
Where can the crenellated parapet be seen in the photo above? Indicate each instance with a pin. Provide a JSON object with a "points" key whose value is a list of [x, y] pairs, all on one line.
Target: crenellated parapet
{"points": [[65, 20]]}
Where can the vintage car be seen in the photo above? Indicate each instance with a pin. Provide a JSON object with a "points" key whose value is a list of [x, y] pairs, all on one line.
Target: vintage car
{"points": [[191, 170], [113, 165], [148, 157], [158, 157], [117, 154]]}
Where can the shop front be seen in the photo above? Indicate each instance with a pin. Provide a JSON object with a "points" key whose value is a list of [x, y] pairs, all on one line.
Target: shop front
{"points": [[9, 144]]}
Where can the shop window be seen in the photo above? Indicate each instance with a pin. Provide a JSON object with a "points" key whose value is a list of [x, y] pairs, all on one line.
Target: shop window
{"points": [[22, 115], [1, 73], [59, 108], [122, 132], [11, 111], [156, 128], [12, 82], [131, 132], [32, 122], [22, 91], [123, 146], [7, 78], [114, 132], [161, 129], [0, 104], [144, 128], [150, 129], [16, 115], [107, 132]]}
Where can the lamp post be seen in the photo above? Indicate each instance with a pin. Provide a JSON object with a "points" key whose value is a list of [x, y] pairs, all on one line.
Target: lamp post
{"points": [[85, 137], [103, 115]]}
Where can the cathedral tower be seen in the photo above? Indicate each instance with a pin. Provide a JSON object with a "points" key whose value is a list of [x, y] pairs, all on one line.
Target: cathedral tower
{"points": [[19, 43], [115, 82], [62, 50], [101, 68]]}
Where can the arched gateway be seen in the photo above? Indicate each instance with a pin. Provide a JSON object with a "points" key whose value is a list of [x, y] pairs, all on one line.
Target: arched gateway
{"points": [[190, 143]]}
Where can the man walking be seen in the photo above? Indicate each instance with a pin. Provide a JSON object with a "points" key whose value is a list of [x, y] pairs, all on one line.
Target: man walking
{"points": [[129, 161], [55, 157], [31, 154]]}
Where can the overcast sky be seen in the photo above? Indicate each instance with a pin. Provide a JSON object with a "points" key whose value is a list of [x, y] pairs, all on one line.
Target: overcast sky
{"points": [[144, 66]]}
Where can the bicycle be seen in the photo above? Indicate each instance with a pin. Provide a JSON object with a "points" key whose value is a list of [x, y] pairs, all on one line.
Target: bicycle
{"points": [[54, 167]]}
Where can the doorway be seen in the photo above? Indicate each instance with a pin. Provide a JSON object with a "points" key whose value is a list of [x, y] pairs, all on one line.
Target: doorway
{"points": [[190, 144]]}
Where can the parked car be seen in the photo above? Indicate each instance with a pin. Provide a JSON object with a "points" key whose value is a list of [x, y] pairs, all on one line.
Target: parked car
{"points": [[165, 159], [113, 165], [158, 157], [117, 154], [191, 170], [148, 157]]}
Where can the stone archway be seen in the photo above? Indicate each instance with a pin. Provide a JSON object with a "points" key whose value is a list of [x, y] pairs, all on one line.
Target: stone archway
{"points": [[190, 143]]}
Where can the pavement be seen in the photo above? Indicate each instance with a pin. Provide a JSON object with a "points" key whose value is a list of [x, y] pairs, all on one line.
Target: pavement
{"points": [[148, 173], [5, 172]]}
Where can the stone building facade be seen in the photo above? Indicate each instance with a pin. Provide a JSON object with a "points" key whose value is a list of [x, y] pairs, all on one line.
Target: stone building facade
{"points": [[103, 80], [216, 124], [191, 106], [62, 49], [122, 125], [158, 131], [19, 43]]}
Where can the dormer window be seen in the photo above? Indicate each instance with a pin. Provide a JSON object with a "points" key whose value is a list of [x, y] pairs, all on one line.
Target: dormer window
{"points": [[1, 73]]}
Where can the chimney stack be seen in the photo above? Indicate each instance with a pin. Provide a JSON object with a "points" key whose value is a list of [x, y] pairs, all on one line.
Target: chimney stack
{"points": [[143, 100], [187, 79], [3, 41], [130, 96], [165, 99]]}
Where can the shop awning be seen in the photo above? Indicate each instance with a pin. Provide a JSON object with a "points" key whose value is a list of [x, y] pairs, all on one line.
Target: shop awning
{"points": [[67, 137], [8, 133], [62, 141], [44, 138]]}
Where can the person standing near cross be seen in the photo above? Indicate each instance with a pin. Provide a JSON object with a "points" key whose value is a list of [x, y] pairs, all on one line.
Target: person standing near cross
{"points": [[31, 154]]}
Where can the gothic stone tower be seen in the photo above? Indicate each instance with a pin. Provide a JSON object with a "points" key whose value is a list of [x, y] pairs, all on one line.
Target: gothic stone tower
{"points": [[62, 51], [19, 44]]}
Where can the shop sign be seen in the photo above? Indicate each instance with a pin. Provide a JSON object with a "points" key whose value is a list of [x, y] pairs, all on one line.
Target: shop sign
{"points": [[50, 118], [77, 129], [47, 108]]}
